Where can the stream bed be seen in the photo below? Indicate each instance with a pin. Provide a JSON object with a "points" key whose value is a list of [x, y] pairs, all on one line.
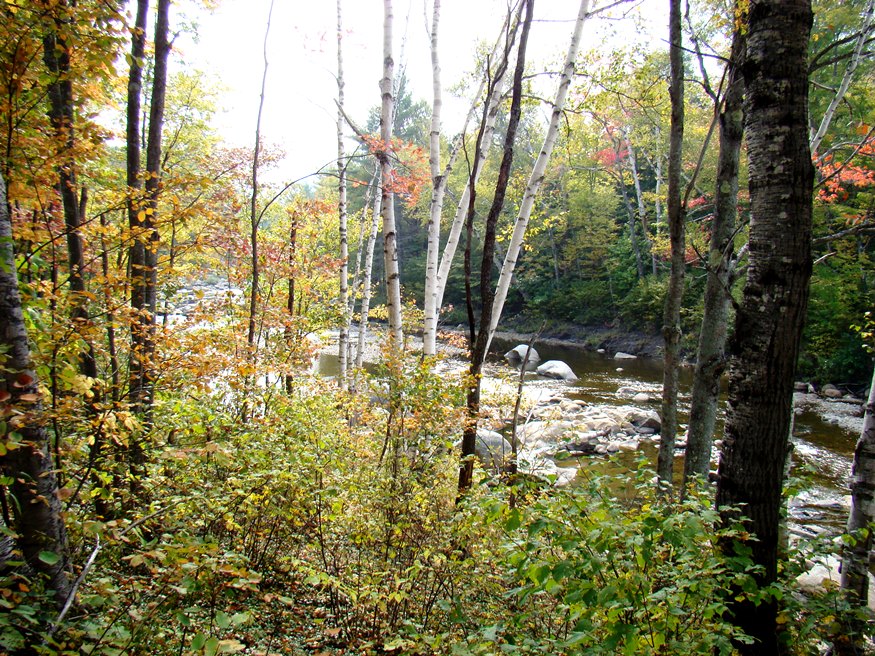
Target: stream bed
{"points": [[824, 435]]}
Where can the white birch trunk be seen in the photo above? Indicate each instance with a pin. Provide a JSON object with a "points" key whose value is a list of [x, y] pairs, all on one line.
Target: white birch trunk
{"points": [[855, 563], [387, 210], [865, 33], [537, 175], [493, 105], [343, 340], [429, 329], [366, 277]]}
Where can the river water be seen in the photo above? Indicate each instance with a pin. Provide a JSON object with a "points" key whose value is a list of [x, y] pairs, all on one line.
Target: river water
{"points": [[824, 446]]}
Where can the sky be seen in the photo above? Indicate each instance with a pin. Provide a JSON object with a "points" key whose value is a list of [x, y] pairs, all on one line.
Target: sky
{"points": [[299, 110]]}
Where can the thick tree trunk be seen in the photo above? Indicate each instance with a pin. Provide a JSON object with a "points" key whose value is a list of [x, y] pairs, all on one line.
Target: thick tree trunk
{"points": [[537, 175], [343, 340], [39, 527], [710, 361], [769, 321], [387, 208], [855, 560], [480, 338], [671, 324]]}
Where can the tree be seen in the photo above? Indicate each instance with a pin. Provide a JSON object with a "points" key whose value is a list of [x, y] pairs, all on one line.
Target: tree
{"points": [[40, 533], [768, 323], [538, 172], [479, 339], [343, 340], [710, 358], [387, 202], [855, 560], [671, 324]]}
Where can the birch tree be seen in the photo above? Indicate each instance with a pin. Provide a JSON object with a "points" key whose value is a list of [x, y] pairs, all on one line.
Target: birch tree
{"points": [[387, 201], [855, 560], [537, 175], [439, 186], [343, 339]]}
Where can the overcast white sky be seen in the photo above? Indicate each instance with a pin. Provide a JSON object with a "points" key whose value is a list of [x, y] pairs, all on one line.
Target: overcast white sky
{"points": [[299, 112]]}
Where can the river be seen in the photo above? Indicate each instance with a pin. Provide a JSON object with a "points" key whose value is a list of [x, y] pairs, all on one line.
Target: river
{"points": [[824, 434]]}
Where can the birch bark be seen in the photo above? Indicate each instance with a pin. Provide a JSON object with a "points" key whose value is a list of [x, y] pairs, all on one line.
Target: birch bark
{"points": [[343, 339], [387, 208], [537, 175]]}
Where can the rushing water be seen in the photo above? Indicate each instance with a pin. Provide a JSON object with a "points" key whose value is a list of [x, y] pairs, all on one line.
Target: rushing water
{"points": [[823, 450]]}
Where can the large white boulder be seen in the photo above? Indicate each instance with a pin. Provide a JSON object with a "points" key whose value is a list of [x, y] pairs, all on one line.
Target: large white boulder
{"points": [[515, 357], [556, 369]]}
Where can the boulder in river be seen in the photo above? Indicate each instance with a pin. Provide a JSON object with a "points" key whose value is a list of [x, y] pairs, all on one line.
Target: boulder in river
{"points": [[557, 369], [624, 356], [515, 357], [831, 392], [492, 449]]}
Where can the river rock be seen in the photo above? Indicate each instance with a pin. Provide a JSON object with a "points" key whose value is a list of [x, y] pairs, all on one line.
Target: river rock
{"points": [[515, 357], [537, 435], [641, 397], [556, 369], [645, 419], [492, 449], [831, 392], [619, 355]]}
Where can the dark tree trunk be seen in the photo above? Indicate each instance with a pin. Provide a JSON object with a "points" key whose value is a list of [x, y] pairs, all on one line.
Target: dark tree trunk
{"points": [[480, 338], [710, 360], [671, 325], [41, 535], [769, 321]]}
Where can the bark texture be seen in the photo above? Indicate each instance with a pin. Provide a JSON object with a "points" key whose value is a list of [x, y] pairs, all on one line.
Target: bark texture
{"points": [[855, 560], [671, 323], [537, 175], [769, 321], [343, 340], [387, 209], [480, 337], [38, 524], [710, 360]]}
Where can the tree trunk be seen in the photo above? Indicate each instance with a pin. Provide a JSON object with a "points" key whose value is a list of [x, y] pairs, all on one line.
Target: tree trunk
{"points": [[366, 276], [343, 339], [254, 221], [492, 104], [387, 206], [537, 175], [855, 560], [768, 324], [710, 360], [290, 299], [480, 343], [39, 527], [429, 329], [671, 325]]}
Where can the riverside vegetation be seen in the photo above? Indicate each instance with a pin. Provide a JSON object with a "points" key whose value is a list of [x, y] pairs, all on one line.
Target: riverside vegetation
{"points": [[175, 480]]}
